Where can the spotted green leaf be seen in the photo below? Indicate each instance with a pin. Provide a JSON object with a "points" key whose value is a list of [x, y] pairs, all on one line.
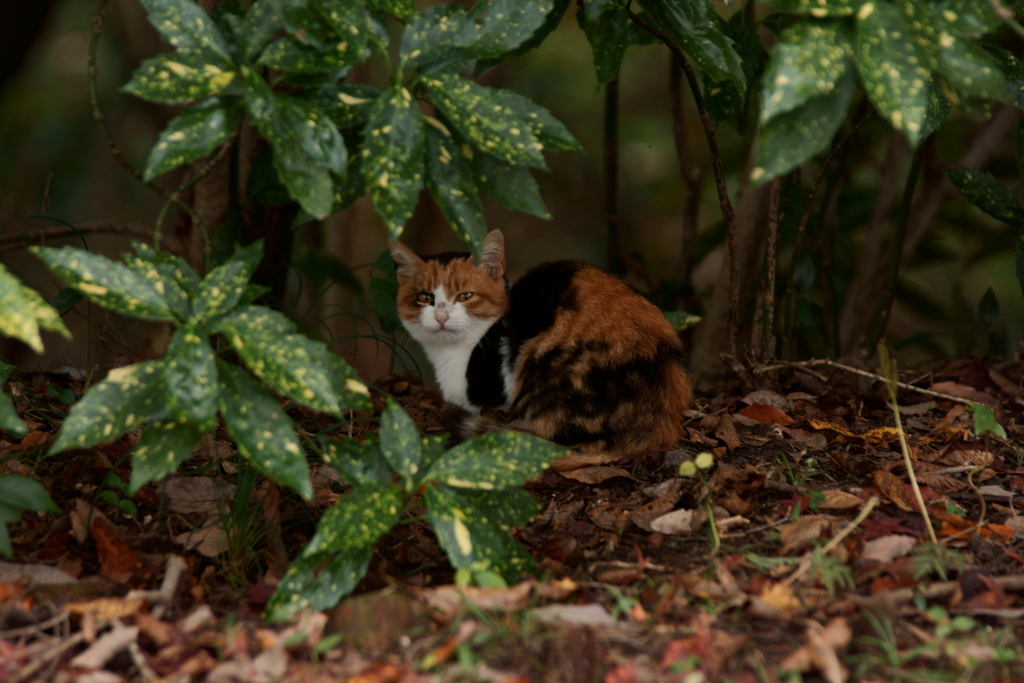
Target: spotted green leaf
{"points": [[10, 421], [191, 377], [358, 463], [401, 9], [281, 361], [428, 43], [1013, 71], [306, 176], [695, 27], [124, 400], [471, 539], [186, 26], [974, 18], [681, 320], [392, 157], [164, 445], [348, 104], [511, 185], [292, 55], [494, 461], [606, 26], [162, 275], [19, 493], [262, 430], [259, 25], [495, 27], [400, 442], [938, 109], [194, 133], [890, 70], [987, 193], [808, 61], [486, 121], [23, 311], [318, 583], [790, 139], [178, 78], [351, 392], [551, 132], [108, 283], [942, 48], [550, 24], [817, 8], [304, 20], [450, 180], [223, 287], [507, 509], [357, 520]]}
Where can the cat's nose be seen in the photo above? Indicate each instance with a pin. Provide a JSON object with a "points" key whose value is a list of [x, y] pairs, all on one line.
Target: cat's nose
{"points": [[441, 315]]}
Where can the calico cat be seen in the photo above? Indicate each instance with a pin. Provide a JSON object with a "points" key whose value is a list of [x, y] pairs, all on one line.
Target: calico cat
{"points": [[569, 353]]}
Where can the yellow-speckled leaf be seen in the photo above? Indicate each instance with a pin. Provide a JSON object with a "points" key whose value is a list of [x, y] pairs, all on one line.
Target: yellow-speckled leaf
{"points": [[348, 104], [1013, 70], [191, 377], [10, 422], [507, 509], [809, 61], [790, 139], [401, 9], [351, 392], [223, 287], [125, 400], [178, 78], [890, 70], [302, 587], [495, 27], [511, 185], [23, 311], [450, 180], [194, 133], [400, 442], [472, 539], [943, 48], [357, 520], [163, 446], [290, 54], [482, 118], [989, 194], [303, 156], [108, 283], [975, 18], [186, 26], [282, 361], [817, 8], [263, 431], [392, 158], [695, 27], [259, 25], [494, 461], [358, 463], [428, 43], [163, 274], [681, 320], [551, 132]]}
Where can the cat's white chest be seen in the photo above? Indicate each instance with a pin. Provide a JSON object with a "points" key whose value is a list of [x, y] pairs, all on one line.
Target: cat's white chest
{"points": [[450, 364]]}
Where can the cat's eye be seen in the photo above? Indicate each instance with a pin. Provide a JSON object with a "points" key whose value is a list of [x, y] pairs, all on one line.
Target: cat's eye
{"points": [[424, 298], [465, 296]]}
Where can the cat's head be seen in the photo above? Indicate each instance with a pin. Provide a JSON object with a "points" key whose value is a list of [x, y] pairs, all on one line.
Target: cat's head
{"points": [[449, 299]]}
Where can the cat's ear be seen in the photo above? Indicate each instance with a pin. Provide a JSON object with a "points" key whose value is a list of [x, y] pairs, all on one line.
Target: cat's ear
{"points": [[406, 261], [492, 254]]}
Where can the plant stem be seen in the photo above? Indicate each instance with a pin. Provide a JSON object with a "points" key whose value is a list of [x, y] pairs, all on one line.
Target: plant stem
{"points": [[689, 169]]}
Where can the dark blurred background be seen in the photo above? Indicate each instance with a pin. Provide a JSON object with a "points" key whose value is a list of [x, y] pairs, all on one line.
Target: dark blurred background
{"points": [[55, 163]]}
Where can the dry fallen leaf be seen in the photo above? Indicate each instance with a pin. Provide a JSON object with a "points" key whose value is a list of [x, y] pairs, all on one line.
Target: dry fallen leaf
{"points": [[798, 535], [893, 488], [595, 474], [885, 549], [766, 414], [839, 500]]}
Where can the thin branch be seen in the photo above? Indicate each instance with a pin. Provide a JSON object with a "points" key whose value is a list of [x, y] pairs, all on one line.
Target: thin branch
{"points": [[611, 174], [723, 193], [98, 25], [767, 351], [897, 247], [21, 240], [693, 174], [806, 364], [176, 195]]}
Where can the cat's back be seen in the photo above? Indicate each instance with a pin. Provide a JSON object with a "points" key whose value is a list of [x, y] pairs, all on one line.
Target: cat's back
{"points": [[593, 361]]}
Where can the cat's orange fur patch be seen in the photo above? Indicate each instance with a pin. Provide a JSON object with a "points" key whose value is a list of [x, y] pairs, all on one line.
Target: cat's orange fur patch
{"points": [[489, 298]]}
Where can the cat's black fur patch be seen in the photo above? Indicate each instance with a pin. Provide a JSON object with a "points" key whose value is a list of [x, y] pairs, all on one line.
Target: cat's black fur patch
{"points": [[535, 299], [484, 383]]}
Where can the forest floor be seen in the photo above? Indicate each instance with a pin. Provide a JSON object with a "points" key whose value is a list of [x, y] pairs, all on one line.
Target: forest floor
{"points": [[823, 564]]}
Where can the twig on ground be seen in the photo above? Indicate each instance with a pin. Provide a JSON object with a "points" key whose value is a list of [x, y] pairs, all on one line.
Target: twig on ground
{"points": [[805, 563], [807, 364]]}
